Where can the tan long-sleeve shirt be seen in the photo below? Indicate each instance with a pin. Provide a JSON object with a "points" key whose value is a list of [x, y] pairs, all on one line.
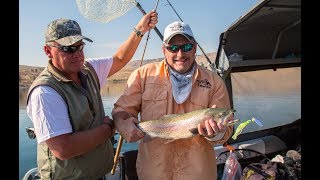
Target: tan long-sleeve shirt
{"points": [[149, 93]]}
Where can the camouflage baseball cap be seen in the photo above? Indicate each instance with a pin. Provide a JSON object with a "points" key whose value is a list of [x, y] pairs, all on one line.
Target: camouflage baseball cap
{"points": [[65, 32]]}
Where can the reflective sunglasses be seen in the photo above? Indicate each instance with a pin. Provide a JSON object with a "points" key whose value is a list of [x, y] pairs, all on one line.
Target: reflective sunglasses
{"points": [[70, 49], [175, 48]]}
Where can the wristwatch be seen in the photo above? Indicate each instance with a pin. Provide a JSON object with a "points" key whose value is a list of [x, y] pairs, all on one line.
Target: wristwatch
{"points": [[138, 33]]}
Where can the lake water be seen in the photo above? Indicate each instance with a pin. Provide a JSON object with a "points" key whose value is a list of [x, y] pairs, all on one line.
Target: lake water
{"points": [[272, 110]]}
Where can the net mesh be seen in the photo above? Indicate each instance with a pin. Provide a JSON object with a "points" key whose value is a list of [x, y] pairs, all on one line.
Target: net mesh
{"points": [[104, 10]]}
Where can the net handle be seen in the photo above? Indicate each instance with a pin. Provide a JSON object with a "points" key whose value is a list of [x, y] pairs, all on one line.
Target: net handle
{"points": [[144, 13]]}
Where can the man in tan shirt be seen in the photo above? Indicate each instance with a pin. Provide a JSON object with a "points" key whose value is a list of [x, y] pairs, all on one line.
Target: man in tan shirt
{"points": [[176, 85]]}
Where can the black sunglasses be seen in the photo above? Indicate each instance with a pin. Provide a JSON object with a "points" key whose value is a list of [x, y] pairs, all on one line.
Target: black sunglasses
{"points": [[70, 49], [175, 48]]}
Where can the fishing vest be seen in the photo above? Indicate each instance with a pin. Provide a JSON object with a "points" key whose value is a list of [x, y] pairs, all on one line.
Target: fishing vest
{"points": [[85, 111]]}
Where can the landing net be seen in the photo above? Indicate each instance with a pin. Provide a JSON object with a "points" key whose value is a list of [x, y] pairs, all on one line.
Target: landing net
{"points": [[104, 10]]}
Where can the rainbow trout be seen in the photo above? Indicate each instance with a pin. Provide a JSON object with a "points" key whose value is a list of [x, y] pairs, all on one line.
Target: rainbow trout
{"points": [[178, 126]]}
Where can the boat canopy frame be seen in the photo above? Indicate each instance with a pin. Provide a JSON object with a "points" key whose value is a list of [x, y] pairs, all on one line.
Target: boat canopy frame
{"points": [[267, 36]]}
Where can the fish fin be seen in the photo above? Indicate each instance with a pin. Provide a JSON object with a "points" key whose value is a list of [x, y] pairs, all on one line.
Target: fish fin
{"points": [[194, 131], [146, 138]]}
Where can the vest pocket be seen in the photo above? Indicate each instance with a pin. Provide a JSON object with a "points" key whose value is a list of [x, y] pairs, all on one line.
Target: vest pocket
{"points": [[154, 101]]}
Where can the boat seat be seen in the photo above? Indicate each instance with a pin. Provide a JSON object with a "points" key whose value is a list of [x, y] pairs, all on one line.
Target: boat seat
{"points": [[128, 165]]}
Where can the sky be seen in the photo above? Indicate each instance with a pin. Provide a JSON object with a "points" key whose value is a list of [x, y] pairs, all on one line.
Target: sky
{"points": [[207, 19]]}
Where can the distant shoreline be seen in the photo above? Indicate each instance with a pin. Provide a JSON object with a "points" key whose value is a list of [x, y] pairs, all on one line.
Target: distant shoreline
{"points": [[28, 73], [112, 88]]}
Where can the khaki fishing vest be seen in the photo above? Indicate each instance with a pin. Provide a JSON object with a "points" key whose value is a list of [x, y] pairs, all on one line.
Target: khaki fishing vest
{"points": [[86, 111]]}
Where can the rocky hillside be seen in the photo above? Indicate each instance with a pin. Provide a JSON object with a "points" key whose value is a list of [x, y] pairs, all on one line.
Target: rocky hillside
{"points": [[124, 73], [28, 73]]}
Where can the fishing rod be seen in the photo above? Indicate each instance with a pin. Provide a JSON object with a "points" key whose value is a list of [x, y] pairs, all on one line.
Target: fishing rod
{"points": [[116, 156], [145, 46], [212, 65]]}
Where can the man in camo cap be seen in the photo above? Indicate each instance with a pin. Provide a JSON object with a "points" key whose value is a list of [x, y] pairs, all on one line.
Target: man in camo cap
{"points": [[65, 106], [65, 32]]}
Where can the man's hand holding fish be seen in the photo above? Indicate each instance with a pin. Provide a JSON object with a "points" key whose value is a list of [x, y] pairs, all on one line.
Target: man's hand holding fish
{"points": [[126, 125], [209, 128]]}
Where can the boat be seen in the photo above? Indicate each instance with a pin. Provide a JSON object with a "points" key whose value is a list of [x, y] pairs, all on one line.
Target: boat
{"points": [[259, 57], [260, 50]]}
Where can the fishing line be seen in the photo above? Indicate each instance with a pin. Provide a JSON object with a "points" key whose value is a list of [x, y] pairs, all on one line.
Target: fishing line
{"points": [[116, 157], [145, 46]]}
